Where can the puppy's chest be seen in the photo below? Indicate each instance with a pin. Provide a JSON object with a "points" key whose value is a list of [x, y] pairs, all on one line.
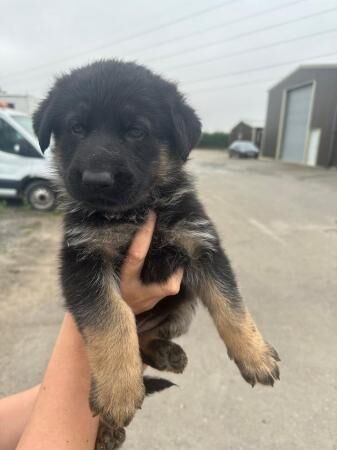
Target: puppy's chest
{"points": [[112, 240], [107, 240]]}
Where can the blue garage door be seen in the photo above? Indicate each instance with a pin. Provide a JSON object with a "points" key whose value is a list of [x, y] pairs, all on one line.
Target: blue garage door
{"points": [[296, 123]]}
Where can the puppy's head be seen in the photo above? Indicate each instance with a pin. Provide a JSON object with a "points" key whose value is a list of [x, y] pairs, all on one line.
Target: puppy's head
{"points": [[119, 129]]}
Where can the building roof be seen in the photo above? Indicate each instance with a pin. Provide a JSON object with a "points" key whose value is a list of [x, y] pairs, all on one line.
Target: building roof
{"points": [[249, 123], [304, 67]]}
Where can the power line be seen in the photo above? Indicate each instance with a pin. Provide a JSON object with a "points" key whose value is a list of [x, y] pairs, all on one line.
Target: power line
{"points": [[127, 38], [237, 36], [253, 49], [221, 25], [243, 72], [267, 46], [236, 85], [258, 69], [251, 83], [240, 35]]}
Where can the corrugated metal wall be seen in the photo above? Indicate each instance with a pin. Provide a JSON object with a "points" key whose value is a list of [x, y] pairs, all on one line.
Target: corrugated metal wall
{"points": [[323, 113]]}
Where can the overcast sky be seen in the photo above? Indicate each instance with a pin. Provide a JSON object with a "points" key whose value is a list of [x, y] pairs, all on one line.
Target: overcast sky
{"points": [[41, 38]]}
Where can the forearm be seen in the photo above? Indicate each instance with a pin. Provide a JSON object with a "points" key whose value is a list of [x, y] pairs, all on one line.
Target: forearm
{"points": [[15, 412], [61, 418], [57, 415]]}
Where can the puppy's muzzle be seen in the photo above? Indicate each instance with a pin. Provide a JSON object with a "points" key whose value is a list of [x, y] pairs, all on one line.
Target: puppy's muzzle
{"points": [[99, 180]]}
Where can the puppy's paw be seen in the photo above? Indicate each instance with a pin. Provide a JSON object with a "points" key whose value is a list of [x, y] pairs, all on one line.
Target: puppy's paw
{"points": [[109, 438], [258, 365], [117, 399], [165, 355]]}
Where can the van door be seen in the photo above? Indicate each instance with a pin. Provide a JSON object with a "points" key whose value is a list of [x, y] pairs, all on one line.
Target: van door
{"points": [[16, 157]]}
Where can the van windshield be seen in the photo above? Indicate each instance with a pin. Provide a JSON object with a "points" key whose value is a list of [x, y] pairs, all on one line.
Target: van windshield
{"points": [[25, 122]]}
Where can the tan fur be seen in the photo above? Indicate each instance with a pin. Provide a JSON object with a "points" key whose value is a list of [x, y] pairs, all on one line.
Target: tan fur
{"points": [[255, 358], [193, 237], [106, 241], [186, 241], [164, 166], [114, 358]]}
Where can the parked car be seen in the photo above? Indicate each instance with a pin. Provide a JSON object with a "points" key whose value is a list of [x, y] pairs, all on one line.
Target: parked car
{"points": [[24, 171], [243, 149]]}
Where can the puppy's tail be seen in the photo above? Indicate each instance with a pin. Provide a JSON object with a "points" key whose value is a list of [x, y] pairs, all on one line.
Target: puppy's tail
{"points": [[153, 385]]}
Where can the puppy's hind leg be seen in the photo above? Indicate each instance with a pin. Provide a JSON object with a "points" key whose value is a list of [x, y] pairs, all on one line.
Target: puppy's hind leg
{"points": [[255, 358], [157, 349], [162, 354]]}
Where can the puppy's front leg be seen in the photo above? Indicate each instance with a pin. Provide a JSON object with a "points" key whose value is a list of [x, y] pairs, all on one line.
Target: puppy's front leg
{"points": [[109, 330], [255, 358]]}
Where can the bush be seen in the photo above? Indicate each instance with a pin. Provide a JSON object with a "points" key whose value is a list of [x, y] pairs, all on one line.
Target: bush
{"points": [[214, 140]]}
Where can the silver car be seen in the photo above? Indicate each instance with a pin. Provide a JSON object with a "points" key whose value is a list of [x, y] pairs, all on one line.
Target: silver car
{"points": [[243, 149]]}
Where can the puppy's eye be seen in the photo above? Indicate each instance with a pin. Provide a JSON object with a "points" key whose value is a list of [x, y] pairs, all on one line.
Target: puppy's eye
{"points": [[135, 133], [78, 129]]}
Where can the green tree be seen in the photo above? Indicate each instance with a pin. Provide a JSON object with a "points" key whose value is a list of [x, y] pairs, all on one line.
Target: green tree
{"points": [[214, 140]]}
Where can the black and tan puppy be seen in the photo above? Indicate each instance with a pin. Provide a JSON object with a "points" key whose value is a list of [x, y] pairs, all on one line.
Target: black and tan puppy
{"points": [[122, 136]]}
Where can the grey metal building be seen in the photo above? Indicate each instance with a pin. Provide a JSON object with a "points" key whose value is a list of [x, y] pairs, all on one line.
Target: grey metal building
{"points": [[301, 124]]}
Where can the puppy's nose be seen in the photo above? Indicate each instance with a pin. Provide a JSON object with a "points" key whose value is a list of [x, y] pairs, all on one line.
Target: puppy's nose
{"points": [[99, 179]]}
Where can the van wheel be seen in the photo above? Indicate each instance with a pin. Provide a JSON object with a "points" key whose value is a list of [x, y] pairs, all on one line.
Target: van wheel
{"points": [[40, 196]]}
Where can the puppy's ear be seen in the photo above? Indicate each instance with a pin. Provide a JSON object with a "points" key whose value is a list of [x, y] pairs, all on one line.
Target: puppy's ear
{"points": [[187, 127], [43, 119]]}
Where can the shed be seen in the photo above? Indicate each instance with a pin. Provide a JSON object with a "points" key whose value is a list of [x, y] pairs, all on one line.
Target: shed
{"points": [[301, 123], [245, 131]]}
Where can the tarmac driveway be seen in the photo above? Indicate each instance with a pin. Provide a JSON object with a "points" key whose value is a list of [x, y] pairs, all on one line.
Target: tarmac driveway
{"points": [[278, 224]]}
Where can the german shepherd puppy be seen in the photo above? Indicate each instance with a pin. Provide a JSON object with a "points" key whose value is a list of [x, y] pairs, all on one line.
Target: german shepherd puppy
{"points": [[122, 135]]}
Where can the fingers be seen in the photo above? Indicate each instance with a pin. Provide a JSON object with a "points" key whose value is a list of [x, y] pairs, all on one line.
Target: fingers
{"points": [[147, 296], [170, 287], [144, 306], [138, 296], [134, 260]]}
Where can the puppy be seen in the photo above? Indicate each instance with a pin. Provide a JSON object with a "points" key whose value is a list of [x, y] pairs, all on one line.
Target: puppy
{"points": [[122, 135]]}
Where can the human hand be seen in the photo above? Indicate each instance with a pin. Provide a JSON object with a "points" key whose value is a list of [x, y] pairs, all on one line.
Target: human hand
{"points": [[138, 296]]}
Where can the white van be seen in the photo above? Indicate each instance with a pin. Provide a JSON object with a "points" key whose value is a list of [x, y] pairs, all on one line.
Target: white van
{"points": [[24, 171]]}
